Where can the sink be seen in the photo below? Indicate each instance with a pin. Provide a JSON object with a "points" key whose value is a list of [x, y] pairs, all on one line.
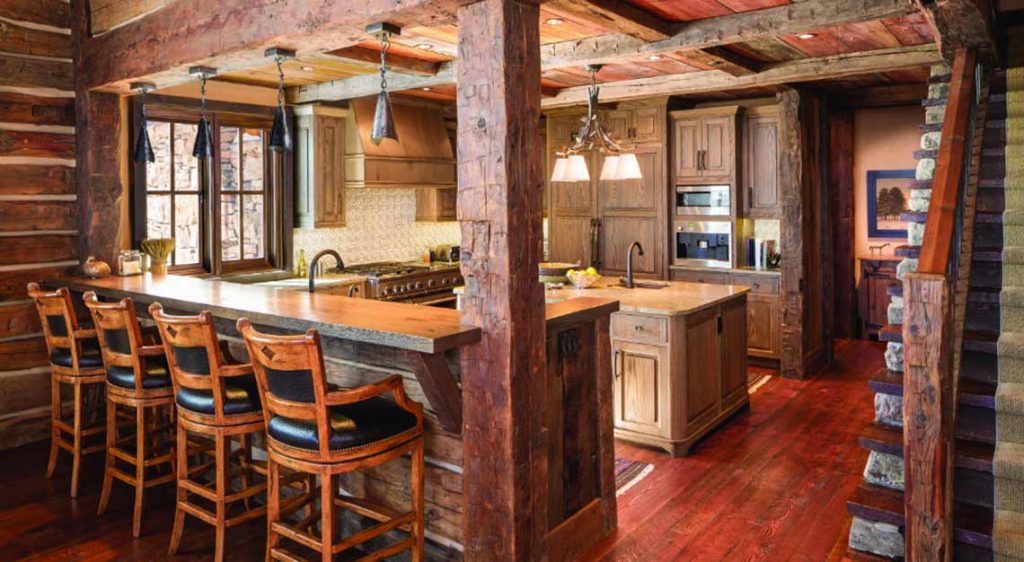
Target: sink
{"points": [[642, 284]]}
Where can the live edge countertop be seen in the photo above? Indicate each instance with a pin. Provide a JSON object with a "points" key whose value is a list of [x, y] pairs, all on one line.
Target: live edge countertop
{"points": [[415, 328], [677, 298]]}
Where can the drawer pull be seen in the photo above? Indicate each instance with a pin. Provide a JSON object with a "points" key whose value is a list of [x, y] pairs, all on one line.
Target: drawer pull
{"points": [[637, 327]]}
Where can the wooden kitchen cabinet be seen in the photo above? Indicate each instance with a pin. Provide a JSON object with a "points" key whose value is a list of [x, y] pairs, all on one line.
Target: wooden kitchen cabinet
{"points": [[320, 166], [436, 205], [704, 145], [676, 377], [761, 196], [876, 274]]}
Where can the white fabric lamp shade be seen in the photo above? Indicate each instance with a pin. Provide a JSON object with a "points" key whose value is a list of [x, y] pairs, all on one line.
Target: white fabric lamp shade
{"points": [[628, 168], [577, 169], [561, 165], [610, 168]]}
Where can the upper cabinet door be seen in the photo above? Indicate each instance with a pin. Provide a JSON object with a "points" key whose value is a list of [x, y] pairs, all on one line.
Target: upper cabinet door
{"points": [[619, 125], [686, 146], [329, 177], [634, 195], [718, 146], [761, 166], [648, 124]]}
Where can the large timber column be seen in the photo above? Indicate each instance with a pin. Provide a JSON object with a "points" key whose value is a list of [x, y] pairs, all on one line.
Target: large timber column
{"points": [[500, 190]]}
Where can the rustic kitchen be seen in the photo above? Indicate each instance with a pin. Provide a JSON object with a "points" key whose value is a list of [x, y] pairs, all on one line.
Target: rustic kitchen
{"points": [[439, 280]]}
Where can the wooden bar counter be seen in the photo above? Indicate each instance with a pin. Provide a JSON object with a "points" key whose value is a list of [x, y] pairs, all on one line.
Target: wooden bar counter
{"points": [[365, 341]]}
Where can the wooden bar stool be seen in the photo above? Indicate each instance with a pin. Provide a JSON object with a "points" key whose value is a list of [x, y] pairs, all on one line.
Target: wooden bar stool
{"points": [[137, 379], [75, 360], [218, 401], [315, 429]]}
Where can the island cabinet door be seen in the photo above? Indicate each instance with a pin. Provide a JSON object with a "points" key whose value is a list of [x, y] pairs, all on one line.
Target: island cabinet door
{"points": [[733, 328], [641, 387], [763, 326], [703, 370]]}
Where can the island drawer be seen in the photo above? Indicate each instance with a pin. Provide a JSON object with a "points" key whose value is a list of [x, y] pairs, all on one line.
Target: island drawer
{"points": [[639, 328], [762, 284], [698, 276]]}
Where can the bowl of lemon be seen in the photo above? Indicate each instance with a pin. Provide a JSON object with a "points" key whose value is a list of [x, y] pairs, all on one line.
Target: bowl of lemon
{"points": [[583, 278]]}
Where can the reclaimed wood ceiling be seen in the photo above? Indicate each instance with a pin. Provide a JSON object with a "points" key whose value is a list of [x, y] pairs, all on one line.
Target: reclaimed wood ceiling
{"points": [[561, 21]]}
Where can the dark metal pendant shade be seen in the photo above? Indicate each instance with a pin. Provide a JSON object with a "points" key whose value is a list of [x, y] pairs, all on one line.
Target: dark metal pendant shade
{"points": [[143, 149], [204, 140], [280, 137], [383, 120]]}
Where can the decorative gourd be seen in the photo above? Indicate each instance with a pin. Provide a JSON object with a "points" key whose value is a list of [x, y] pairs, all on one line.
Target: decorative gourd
{"points": [[95, 268]]}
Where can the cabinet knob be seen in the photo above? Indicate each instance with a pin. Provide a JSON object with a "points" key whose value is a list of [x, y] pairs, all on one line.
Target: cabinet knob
{"points": [[637, 328]]}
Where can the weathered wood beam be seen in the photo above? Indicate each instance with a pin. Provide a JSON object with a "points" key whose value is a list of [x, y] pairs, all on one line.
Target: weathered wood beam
{"points": [[616, 15], [958, 24], [368, 85], [720, 58], [233, 34], [398, 63], [713, 32], [500, 196], [803, 70]]}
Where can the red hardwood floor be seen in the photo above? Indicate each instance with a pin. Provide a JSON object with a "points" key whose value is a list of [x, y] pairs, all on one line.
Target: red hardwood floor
{"points": [[770, 485]]}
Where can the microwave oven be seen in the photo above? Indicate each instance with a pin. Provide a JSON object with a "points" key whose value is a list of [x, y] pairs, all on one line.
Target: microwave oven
{"points": [[703, 200], [703, 242]]}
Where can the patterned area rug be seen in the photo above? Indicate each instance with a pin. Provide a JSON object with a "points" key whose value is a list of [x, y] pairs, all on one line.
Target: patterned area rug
{"points": [[628, 473]]}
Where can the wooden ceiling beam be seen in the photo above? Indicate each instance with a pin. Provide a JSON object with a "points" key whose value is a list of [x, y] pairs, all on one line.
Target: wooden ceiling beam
{"points": [[368, 85], [233, 34], [803, 70], [958, 24], [370, 58], [714, 32], [720, 58]]}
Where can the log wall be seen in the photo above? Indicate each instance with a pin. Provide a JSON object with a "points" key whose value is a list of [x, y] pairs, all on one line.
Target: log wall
{"points": [[38, 203]]}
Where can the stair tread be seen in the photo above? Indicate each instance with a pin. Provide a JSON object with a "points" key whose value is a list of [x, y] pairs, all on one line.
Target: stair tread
{"points": [[980, 366], [914, 216], [907, 251], [987, 254], [972, 392], [971, 524], [931, 102], [939, 79], [891, 333], [967, 454], [983, 295]]}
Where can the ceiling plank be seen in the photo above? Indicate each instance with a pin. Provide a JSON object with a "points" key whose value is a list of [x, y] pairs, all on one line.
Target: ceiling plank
{"points": [[233, 34], [615, 15], [398, 63], [720, 58], [804, 70], [723, 30]]}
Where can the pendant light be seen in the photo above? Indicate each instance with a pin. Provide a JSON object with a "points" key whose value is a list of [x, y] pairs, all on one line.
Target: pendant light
{"points": [[280, 138], [203, 148], [618, 164], [383, 118], [143, 151]]}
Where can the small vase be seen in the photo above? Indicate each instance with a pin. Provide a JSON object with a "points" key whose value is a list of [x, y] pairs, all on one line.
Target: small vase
{"points": [[158, 267]]}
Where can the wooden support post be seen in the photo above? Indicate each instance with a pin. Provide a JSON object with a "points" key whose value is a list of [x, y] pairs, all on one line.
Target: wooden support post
{"points": [[929, 414], [841, 195], [792, 243], [500, 187]]}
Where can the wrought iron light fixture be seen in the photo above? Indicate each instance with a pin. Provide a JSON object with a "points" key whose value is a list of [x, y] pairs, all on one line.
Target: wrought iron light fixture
{"points": [[143, 151], [383, 119], [571, 165], [203, 148], [280, 138]]}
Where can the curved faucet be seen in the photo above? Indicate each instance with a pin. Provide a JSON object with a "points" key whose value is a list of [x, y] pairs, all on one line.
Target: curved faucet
{"points": [[312, 264], [629, 262]]}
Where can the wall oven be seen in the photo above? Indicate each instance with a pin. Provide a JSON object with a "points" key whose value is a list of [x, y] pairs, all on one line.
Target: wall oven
{"points": [[703, 200], [703, 242]]}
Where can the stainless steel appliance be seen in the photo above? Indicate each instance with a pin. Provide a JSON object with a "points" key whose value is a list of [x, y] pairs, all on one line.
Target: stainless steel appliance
{"points": [[703, 200], [414, 283], [703, 242]]}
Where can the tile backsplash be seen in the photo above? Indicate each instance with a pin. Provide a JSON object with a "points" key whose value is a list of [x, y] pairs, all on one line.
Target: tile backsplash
{"points": [[767, 229], [380, 225]]}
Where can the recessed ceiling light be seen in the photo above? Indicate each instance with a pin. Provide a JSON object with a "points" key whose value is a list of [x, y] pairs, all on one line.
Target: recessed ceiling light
{"points": [[807, 35], [307, 69], [424, 46], [426, 88], [554, 21], [653, 57]]}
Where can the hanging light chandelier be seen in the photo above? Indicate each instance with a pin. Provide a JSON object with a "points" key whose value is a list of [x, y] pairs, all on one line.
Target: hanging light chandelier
{"points": [[143, 151], [571, 164], [280, 138], [383, 118], [203, 147]]}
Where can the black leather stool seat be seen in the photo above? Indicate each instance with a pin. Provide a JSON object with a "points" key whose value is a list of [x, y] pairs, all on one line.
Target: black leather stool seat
{"points": [[241, 396], [352, 425], [157, 375], [90, 357]]}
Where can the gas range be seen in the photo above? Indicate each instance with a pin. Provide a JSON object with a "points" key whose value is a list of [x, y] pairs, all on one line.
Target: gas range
{"points": [[412, 282]]}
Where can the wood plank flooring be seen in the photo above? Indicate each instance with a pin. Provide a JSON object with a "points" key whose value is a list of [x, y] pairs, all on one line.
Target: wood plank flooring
{"points": [[770, 485]]}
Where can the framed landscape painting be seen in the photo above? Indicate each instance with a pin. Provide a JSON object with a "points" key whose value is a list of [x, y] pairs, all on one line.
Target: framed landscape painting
{"points": [[888, 198]]}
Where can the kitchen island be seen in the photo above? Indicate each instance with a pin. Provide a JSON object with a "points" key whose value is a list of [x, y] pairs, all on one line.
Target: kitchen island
{"points": [[367, 340], [679, 358]]}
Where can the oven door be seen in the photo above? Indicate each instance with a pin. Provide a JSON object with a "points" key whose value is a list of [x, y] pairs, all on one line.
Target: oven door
{"points": [[703, 200], [446, 299], [703, 243]]}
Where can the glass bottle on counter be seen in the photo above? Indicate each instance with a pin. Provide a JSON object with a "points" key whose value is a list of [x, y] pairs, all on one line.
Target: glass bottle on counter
{"points": [[300, 266]]}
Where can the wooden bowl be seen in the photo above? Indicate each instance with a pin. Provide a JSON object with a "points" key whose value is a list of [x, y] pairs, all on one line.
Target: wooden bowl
{"points": [[581, 280]]}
